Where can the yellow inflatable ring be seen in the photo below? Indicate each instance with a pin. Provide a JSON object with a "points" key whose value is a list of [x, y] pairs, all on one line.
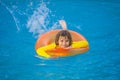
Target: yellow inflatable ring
{"points": [[49, 37]]}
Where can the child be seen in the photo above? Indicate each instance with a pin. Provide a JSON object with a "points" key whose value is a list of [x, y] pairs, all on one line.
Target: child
{"points": [[63, 40]]}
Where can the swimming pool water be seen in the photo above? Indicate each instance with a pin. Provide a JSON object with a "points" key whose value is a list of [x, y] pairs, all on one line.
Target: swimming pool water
{"points": [[21, 22]]}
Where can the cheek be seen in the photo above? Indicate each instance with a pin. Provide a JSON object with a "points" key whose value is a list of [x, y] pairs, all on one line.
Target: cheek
{"points": [[59, 43], [68, 43]]}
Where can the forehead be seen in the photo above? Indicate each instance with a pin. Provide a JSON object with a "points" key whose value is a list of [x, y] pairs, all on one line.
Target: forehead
{"points": [[63, 37]]}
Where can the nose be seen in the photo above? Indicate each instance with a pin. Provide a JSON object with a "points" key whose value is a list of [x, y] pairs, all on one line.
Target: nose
{"points": [[64, 43]]}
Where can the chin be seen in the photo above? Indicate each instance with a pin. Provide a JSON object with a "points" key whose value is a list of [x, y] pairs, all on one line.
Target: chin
{"points": [[64, 47]]}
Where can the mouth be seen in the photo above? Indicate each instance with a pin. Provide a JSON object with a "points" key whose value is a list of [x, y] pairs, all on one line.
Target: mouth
{"points": [[63, 46]]}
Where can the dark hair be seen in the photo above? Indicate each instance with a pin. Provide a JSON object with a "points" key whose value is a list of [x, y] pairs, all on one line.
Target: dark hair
{"points": [[63, 33]]}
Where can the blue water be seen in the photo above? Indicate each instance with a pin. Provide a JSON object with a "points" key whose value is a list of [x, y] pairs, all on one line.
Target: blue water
{"points": [[22, 21]]}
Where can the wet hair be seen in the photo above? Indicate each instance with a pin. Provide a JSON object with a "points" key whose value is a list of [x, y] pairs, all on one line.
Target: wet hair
{"points": [[64, 33]]}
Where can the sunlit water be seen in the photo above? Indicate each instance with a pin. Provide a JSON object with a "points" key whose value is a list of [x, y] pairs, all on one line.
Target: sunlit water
{"points": [[21, 22]]}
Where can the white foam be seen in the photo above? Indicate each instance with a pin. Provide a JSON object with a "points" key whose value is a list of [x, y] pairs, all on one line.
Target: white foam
{"points": [[39, 21], [12, 14]]}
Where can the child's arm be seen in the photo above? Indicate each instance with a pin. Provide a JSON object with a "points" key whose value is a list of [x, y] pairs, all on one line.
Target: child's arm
{"points": [[42, 50], [79, 47], [80, 44]]}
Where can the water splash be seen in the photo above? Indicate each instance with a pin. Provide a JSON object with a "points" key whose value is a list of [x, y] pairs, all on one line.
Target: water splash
{"points": [[12, 14], [38, 23], [42, 20]]}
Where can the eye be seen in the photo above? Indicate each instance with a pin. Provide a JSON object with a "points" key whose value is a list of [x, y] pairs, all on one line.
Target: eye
{"points": [[67, 40], [61, 40]]}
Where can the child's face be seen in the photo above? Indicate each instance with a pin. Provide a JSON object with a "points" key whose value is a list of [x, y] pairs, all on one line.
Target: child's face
{"points": [[63, 42]]}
